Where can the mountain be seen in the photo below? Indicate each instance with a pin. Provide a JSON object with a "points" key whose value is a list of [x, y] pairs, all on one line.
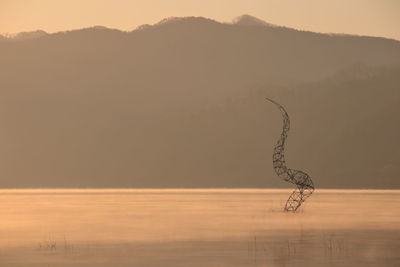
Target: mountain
{"points": [[353, 123], [25, 35], [181, 104], [248, 20]]}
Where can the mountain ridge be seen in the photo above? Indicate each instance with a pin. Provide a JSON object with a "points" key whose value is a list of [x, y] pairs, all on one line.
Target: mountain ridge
{"points": [[243, 20]]}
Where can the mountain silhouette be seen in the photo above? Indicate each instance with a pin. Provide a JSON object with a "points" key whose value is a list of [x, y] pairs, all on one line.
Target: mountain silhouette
{"points": [[248, 20], [181, 104], [24, 35]]}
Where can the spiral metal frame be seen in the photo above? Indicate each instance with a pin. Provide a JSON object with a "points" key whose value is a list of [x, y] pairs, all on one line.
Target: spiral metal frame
{"points": [[303, 182]]}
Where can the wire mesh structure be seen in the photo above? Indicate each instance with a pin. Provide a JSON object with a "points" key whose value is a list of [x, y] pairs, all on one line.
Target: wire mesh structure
{"points": [[303, 182]]}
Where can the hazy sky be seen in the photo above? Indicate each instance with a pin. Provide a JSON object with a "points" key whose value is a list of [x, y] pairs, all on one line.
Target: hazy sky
{"points": [[365, 17]]}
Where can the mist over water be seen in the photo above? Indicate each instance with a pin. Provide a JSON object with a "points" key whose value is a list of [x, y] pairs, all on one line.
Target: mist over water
{"points": [[203, 227], [183, 103]]}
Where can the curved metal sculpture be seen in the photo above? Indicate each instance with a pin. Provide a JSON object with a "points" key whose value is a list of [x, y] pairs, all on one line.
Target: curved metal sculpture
{"points": [[303, 182]]}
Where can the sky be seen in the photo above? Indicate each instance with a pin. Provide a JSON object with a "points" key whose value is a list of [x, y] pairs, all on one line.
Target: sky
{"points": [[363, 17]]}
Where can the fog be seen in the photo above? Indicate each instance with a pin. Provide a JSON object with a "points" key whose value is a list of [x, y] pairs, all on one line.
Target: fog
{"points": [[181, 104], [215, 227]]}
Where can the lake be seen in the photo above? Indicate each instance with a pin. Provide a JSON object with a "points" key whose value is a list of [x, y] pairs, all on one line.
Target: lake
{"points": [[198, 227]]}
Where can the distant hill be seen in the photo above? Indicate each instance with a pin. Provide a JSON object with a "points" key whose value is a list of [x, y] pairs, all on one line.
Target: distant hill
{"points": [[353, 123], [248, 20], [181, 104], [24, 36]]}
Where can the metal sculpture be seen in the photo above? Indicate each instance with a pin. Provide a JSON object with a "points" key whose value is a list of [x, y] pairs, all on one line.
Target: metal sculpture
{"points": [[303, 182]]}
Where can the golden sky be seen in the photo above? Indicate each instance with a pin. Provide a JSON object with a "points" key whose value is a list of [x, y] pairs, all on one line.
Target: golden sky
{"points": [[365, 17]]}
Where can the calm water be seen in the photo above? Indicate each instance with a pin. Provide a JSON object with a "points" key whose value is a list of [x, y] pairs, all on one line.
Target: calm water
{"points": [[229, 227]]}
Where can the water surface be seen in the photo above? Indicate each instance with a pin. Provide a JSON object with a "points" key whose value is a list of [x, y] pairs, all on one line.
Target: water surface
{"points": [[198, 227]]}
